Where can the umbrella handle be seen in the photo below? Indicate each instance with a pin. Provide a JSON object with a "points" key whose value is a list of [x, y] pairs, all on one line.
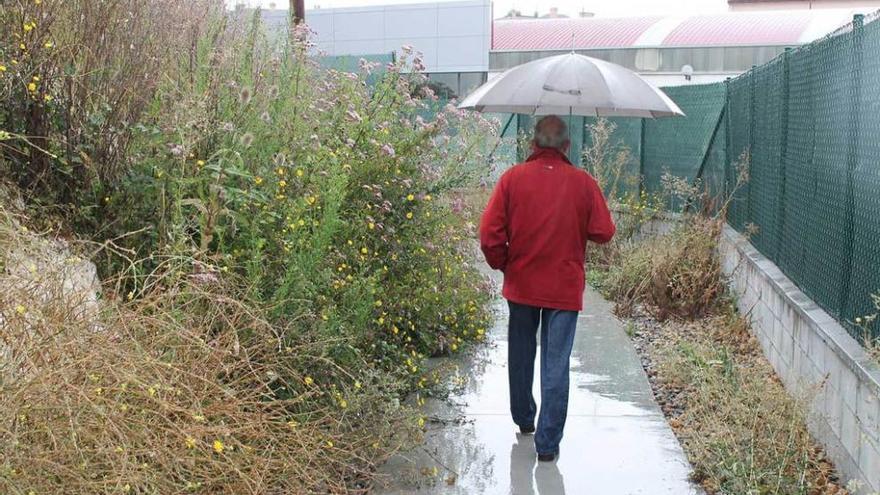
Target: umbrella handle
{"points": [[500, 137]]}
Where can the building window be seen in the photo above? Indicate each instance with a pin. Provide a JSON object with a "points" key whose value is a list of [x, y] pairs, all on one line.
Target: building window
{"points": [[449, 85]]}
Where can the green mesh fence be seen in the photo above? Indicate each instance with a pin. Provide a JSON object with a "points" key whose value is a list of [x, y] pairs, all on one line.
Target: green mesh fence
{"points": [[680, 146], [865, 274], [804, 129]]}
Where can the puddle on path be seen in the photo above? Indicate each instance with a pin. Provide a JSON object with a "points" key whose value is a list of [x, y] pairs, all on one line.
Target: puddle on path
{"points": [[616, 440]]}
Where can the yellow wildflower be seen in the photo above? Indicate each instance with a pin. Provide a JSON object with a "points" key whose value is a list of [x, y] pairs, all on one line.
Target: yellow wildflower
{"points": [[427, 197], [409, 215], [371, 225], [343, 404], [330, 444], [218, 446], [299, 172], [31, 87], [364, 250], [190, 442], [2, 68], [49, 44], [258, 180], [410, 197], [20, 309], [308, 380], [200, 163]]}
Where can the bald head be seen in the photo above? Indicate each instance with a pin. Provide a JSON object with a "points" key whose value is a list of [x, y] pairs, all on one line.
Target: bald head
{"points": [[551, 132]]}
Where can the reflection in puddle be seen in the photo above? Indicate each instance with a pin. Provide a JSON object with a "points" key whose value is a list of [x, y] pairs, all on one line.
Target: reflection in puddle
{"points": [[528, 476], [616, 440]]}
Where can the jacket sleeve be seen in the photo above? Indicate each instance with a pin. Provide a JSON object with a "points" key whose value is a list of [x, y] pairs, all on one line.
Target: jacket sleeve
{"points": [[493, 227], [600, 226]]}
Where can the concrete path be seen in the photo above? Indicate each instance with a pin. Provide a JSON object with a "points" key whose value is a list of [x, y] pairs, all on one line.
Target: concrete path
{"points": [[616, 439]]}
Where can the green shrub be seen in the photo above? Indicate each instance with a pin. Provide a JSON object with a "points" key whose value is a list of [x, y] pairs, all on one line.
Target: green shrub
{"points": [[253, 212], [324, 195]]}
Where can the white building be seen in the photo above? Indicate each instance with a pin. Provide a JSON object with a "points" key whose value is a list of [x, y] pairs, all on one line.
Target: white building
{"points": [[864, 6], [462, 45]]}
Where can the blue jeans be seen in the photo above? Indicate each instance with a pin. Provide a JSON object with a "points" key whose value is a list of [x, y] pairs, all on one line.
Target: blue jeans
{"points": [[557, 337]]}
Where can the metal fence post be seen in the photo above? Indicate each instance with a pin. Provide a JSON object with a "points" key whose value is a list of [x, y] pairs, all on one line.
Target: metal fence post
{"points": [[852, 159], [642, 155], [749, 213], [728, 188], [783, 152]]}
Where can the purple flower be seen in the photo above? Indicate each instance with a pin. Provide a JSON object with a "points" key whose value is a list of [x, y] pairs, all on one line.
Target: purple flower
{"points": [[418, 65], [388, 149]]}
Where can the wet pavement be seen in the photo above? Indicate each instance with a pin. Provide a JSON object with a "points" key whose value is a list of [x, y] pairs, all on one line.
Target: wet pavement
{"points": [[616, 439]]}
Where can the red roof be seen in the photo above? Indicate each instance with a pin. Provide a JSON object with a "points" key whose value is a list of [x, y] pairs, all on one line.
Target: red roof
{"points": [[759, 28], [556, 34], [729, 29]]}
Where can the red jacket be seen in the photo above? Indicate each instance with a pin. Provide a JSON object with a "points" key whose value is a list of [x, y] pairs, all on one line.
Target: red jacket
{"points": [[536, 226]]}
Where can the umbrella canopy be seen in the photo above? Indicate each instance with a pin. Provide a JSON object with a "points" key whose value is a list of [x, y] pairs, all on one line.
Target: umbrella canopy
{"points": [[571, 84]]}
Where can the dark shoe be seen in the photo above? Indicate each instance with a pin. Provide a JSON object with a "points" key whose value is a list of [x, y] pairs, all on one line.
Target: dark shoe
{"points": [[526, 430], [547, 457]]}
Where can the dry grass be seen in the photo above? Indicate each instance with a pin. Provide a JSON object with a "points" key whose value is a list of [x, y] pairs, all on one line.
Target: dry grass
{"points": [[741, 430], [185, 389], [674, 275]]}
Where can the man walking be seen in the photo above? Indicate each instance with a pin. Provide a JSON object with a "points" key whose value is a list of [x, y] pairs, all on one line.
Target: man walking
{"points": [[535, 229]]}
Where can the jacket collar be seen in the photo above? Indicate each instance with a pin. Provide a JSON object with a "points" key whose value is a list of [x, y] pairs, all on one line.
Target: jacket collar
{"points": [[548, 154]]}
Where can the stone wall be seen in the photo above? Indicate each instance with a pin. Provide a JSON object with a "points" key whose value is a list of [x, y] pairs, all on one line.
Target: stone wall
{"points": [[815, 357]]}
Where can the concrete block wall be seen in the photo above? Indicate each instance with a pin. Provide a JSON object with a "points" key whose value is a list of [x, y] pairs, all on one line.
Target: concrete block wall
{"points": [[815, 357]]}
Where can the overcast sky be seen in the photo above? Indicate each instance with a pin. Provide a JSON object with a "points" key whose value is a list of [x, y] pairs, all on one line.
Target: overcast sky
{"points": [[570, 7]]}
